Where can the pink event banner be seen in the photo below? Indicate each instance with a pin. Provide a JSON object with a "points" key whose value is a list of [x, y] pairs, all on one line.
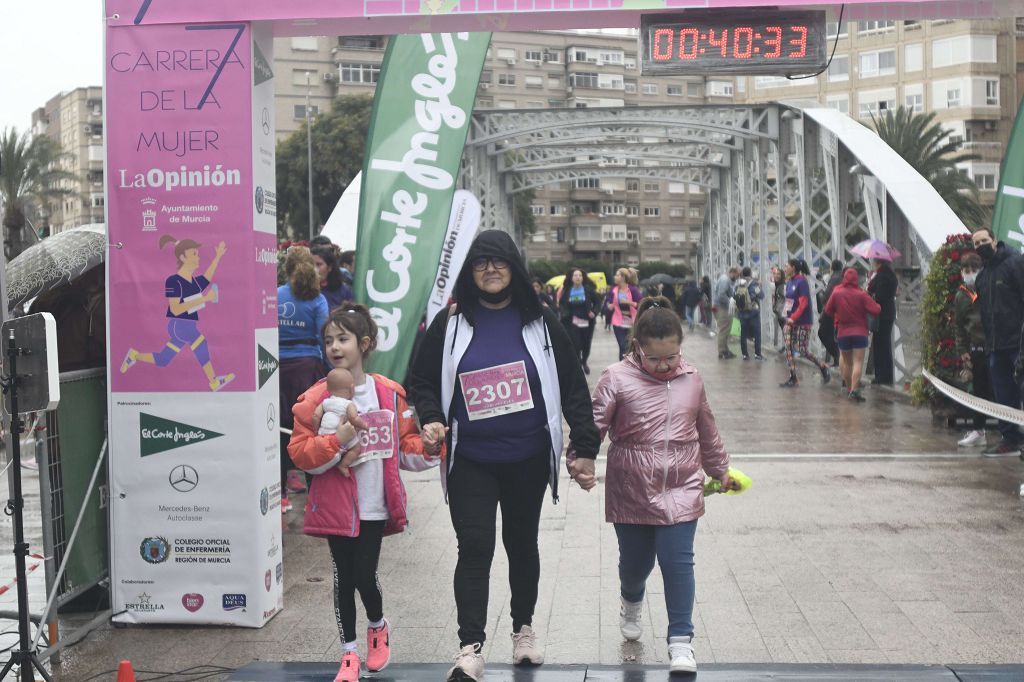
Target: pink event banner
{"points": [[179, 179], [486, 15]]}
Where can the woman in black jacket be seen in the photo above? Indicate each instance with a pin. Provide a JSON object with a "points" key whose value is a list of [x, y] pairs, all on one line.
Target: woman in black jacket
{"points": [[882, 288], [578, 305], [495, 375]]}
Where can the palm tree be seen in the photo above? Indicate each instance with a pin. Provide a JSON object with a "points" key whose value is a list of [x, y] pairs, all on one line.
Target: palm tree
{"points": [[29, 177], [926, 146]]}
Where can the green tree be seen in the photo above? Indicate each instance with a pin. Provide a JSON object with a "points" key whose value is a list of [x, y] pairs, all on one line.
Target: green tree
{"points": [[523, 212], [339, 144], [926, 146], [29, 178]]}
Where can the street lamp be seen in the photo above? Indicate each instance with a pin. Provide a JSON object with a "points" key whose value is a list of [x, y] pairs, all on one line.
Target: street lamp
{"points": [[309, 158]]}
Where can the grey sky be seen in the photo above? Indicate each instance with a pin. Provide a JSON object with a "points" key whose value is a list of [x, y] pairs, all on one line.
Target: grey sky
{"points": [[47, 46]]}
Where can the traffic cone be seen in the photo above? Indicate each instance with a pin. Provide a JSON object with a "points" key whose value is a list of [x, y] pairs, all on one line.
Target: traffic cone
{"points": [[125, 672]]}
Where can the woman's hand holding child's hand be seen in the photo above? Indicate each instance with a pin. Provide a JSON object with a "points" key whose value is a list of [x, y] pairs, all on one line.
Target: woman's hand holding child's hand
{"points": [[433, 436], [581, 470]]}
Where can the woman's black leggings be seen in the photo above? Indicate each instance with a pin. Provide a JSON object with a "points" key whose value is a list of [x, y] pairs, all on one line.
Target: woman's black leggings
{"points": [[355, 568]]}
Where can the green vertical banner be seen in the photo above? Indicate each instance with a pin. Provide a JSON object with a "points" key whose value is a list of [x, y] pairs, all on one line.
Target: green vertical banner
{"points": [[1008, 216], [421, 115]]}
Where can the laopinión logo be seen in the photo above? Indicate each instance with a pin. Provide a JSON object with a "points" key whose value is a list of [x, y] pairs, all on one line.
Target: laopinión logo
{"points": [[155, 550]]}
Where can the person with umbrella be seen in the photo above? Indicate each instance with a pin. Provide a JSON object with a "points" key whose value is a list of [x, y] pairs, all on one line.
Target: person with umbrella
{"points": [[882, 287]]}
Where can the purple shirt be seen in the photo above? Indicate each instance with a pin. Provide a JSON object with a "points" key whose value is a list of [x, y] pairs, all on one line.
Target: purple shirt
{"points": [[180, 288], [798, 288], [498, 340]]}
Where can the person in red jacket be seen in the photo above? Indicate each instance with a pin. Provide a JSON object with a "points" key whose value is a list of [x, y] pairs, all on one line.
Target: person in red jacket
{"points": [[849, 306], [354, 511]]}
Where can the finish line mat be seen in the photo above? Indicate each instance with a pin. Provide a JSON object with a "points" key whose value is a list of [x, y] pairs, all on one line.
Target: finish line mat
{"points": [[715, 672]]}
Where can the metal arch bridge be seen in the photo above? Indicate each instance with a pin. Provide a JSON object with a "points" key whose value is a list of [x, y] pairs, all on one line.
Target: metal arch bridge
{"points": [[782, 180]]}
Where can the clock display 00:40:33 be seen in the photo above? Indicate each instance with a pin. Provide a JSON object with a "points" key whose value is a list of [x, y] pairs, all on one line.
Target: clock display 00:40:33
{"points": [[742, 42], [737, 41]]}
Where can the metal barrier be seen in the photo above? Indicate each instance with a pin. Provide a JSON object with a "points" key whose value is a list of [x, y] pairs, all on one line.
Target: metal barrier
{"points": [[70, 446]]}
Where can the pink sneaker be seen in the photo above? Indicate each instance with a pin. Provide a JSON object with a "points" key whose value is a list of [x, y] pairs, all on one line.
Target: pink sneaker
{"points": [[349, 670], [378, 648]]}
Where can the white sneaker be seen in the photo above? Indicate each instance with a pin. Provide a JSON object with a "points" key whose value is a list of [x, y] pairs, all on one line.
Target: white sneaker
{"points": [[524, 647], [469, 665], [629, 619], [971, 439], [680, 655]]}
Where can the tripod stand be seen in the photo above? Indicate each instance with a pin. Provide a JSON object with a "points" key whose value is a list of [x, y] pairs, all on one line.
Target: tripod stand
{"points": [[24, 656]]}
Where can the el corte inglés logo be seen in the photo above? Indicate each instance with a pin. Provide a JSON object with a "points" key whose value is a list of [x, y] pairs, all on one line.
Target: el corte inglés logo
{"points": [[266, 364], [157, 434]]}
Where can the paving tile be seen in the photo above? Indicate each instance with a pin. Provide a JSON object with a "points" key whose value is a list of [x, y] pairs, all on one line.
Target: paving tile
{"points": [[876, 562]]}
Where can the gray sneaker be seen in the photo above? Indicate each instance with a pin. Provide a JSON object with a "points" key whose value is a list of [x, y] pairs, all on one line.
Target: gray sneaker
{"points": [[469, 665], [629, 620], [525, 648], [680, 655]]}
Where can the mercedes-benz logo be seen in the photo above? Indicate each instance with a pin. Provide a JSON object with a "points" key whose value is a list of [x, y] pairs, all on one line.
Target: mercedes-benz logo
{"points": [[266, 121], [183, 478], [271, 417]]}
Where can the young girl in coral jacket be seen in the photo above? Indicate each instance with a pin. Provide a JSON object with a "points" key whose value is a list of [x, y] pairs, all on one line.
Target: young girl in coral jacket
{"points": [[355, 510]]}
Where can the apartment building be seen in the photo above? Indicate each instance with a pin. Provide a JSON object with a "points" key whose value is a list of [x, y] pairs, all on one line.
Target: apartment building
{"points": [[964, 71], [75, 120], [618, 220]]}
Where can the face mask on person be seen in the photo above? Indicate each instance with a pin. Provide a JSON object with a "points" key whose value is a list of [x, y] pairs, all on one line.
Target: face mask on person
{"points": [[970, 278], [986, 251]]}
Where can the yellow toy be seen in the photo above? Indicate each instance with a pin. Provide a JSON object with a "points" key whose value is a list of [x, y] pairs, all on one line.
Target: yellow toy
{"points": [[740, 480]]}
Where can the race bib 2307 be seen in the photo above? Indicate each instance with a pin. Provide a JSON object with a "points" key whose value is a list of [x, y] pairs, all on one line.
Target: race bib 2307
{"points": [[495, 391]]}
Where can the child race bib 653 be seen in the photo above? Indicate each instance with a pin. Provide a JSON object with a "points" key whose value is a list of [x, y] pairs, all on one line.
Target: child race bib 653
{"points": [[378, 441], [496, 391]]}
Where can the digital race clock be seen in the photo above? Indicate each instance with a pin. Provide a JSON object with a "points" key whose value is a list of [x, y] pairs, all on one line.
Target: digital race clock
{"points": [[752, 41]]}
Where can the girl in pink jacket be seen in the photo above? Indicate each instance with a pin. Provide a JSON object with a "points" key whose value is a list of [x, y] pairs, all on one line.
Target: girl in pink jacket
{"points": [[663, 438]]}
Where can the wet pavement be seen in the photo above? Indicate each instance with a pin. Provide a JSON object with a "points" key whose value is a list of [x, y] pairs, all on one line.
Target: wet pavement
{"points": [[866, 539]]}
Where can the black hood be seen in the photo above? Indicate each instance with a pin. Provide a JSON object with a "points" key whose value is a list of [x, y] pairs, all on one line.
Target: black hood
{"points": [[500, 244], [1002, 252]]}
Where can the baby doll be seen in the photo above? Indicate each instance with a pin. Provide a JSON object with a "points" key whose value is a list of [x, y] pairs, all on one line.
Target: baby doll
{"points": [[338, 409]]}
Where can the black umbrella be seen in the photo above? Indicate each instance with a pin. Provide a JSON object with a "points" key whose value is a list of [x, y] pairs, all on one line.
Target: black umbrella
{"points": [[54, 261], [661, 278]]}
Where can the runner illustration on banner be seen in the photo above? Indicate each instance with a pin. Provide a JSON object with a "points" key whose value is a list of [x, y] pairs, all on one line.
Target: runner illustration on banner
{"points": [[186, 295]]}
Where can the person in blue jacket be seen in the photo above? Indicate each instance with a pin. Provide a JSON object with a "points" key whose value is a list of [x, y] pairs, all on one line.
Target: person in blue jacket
{"points": [[301, 316]]}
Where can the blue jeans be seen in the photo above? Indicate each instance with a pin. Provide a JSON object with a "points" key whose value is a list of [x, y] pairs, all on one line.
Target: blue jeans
{"points": [[1005, 388], [622, 338], [673, 548], [691, 315]]}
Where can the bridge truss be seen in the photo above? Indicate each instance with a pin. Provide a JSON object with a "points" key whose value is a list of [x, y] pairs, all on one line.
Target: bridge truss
{"points": [[782, 180]]}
